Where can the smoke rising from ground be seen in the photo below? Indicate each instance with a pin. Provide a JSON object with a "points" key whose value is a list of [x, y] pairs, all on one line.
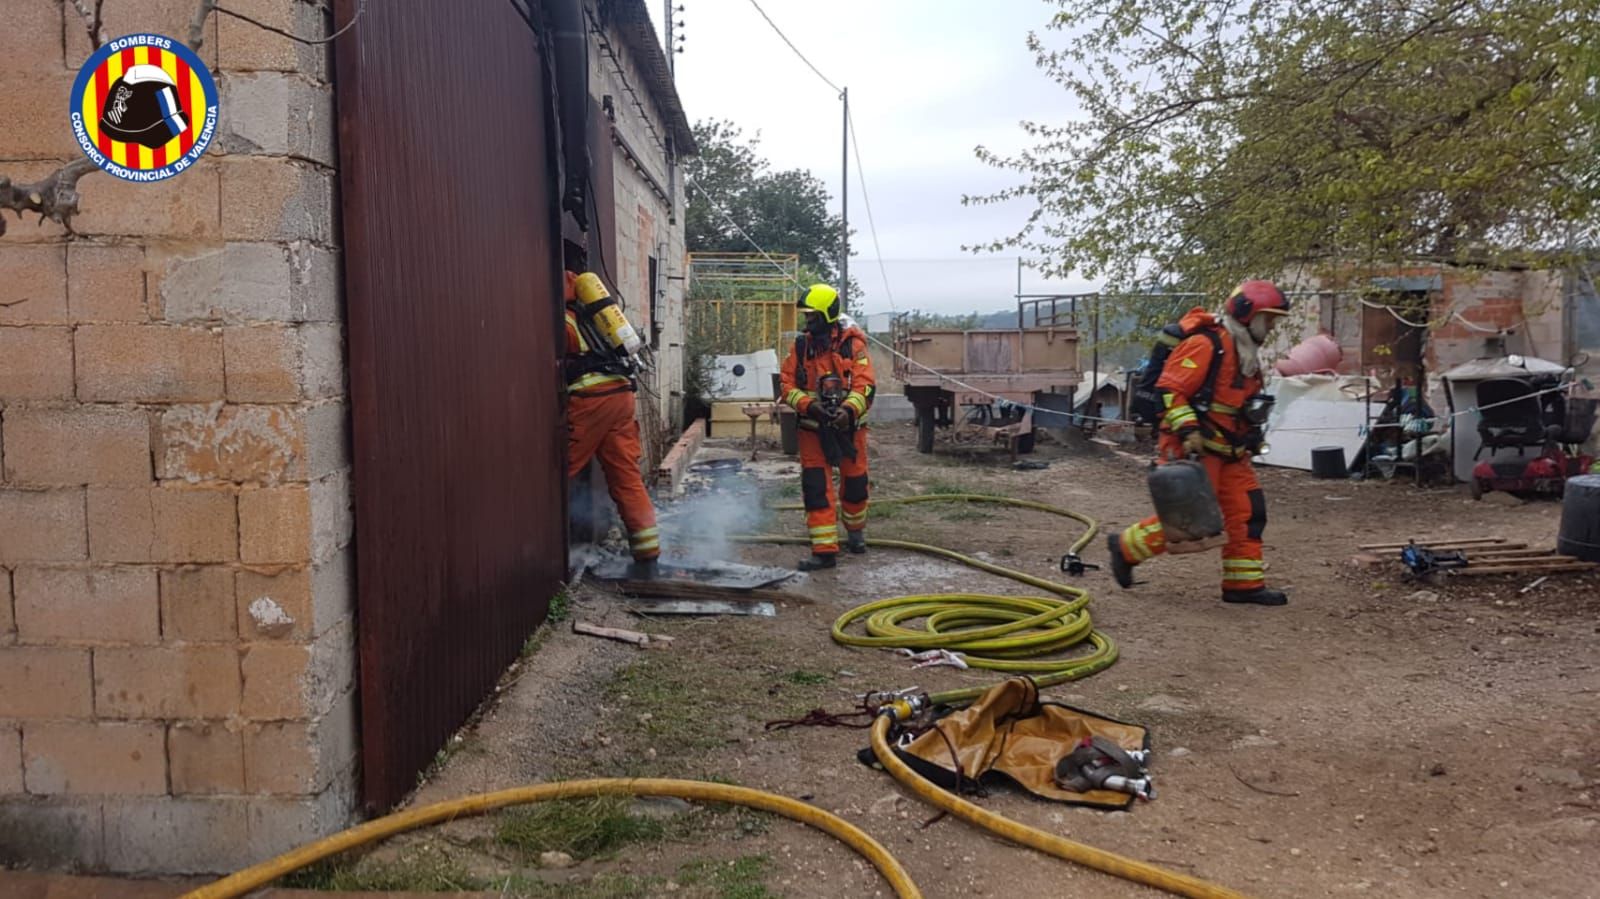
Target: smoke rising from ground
{"points": [[695, 529]]}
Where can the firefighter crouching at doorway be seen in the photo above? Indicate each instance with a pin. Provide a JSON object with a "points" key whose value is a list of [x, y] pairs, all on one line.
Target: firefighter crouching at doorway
{"points": [[1214, 410], [600, 422], [828, 380]]}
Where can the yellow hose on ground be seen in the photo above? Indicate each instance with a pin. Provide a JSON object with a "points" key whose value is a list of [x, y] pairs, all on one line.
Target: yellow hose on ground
{"points": [[1060, 847], [253, 878], [997, 633]]}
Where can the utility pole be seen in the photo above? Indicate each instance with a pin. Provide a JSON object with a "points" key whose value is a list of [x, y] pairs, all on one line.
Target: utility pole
{"points": [[844, 209], [666, 27], [1020, 323]]}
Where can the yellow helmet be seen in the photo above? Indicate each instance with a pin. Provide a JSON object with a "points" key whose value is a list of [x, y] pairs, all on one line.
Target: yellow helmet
{"points": [[823, 300]]}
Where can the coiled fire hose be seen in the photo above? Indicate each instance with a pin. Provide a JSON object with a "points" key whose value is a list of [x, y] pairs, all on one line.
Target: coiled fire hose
{"points": [[998, 633], [258, 876]]}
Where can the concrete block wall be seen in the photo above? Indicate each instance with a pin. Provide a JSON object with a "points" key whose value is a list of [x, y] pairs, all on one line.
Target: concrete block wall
{"points": [[177, 662], [646, 227]]}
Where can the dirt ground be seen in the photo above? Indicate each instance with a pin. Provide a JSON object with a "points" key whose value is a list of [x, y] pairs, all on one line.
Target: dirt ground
{"points": [[1375, 736]]}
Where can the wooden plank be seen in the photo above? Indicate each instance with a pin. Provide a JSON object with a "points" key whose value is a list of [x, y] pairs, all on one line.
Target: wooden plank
{"points": [[1509, 551], [1515, 560], [1442, 541], [1453, 547], [1541, 568], [637, 638], [681, 589]]}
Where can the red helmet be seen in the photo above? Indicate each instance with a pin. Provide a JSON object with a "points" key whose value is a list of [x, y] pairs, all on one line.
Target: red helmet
{"points": [[1256, 296]]}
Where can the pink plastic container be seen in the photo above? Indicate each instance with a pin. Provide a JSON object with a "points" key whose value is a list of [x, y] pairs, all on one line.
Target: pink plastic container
{"points": [[1317, 354]]}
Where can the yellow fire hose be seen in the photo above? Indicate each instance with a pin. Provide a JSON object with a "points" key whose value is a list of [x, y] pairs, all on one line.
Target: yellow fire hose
{"points": [[258, 876], [1027, 626], [1033, 838], [998, 633]]}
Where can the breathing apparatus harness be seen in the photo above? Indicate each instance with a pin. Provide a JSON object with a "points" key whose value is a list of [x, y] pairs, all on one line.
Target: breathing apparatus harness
{"points": [[1255, 413], [611, 346], [832, 388]]}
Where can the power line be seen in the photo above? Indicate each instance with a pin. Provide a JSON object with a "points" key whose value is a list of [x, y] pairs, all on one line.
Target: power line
{"points": [[814, 69], [861, 175]]}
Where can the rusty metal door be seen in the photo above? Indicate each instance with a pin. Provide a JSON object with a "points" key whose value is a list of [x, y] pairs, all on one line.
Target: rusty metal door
{"points": [[451, 257]]}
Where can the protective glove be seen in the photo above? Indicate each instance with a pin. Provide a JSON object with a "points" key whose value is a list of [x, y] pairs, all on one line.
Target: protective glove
{"points": [[842, 419], [1194, 442], [815, 412]]}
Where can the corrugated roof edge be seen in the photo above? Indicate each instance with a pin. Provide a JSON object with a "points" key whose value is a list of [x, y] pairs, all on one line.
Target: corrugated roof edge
{"points": [[632, 20]]}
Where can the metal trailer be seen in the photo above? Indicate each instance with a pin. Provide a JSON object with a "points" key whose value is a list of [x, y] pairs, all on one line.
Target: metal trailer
{"points": [[996, 376]]}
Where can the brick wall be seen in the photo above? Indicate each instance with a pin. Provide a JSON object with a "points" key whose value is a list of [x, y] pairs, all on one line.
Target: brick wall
{"points": [[176, 606]]}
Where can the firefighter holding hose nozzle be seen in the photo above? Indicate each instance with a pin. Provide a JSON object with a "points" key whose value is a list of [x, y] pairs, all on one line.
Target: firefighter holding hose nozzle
{"points": [[1208, 397], [827, 378]]}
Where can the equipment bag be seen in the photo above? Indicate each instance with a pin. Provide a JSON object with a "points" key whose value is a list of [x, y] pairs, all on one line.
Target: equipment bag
{"points": [[1146, 407]]}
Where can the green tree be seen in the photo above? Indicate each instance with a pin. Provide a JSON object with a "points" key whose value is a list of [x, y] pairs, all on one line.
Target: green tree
{"points": [[1215, 141], [781, 211]]}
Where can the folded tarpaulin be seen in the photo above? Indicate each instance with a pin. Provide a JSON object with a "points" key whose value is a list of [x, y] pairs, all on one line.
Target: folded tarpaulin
{"points": [[1009, 733]]}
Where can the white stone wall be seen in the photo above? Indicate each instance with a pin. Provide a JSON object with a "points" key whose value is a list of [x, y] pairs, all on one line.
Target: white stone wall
{"points": [[647, 226]]}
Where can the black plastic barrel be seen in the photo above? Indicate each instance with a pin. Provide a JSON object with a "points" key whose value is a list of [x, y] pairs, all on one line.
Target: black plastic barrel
{"points": [[1328, 462], [1185, 502], [1580, 518]]}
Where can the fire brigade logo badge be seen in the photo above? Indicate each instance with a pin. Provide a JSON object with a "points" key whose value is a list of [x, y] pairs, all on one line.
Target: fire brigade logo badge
{"points": [[144, 107]]}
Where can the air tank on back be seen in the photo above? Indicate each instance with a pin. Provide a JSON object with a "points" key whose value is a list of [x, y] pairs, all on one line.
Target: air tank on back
{"points": [[1187, 507]]}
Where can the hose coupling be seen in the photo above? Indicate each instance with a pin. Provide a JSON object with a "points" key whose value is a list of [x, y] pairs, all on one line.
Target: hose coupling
{"points": [[900, 705]]}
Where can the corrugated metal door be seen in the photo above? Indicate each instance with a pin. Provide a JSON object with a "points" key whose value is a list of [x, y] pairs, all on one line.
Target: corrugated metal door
{"points": [[451, 259]]}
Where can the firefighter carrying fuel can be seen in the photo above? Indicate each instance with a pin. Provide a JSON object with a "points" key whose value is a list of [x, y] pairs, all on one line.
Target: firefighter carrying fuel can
{"points": [[1213, 410], [600, 373], [828, 380]]}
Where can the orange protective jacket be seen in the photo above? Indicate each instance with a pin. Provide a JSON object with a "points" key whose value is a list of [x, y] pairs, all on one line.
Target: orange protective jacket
{"points": [[1185, 375], [843, 352]]}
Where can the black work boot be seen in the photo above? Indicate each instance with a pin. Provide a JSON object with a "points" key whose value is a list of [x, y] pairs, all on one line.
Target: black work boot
{"points": [[856, 541], [644, 570], [819, 561], [1121, 568], [1260, 596]]}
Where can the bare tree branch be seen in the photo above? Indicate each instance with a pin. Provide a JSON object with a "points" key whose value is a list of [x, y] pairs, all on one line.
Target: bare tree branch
{"points": [[197, 25], [54, 196], [91, 20]]}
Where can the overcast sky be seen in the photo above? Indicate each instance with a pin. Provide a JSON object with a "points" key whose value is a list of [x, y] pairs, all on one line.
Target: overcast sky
{"points": [[929, 80]]}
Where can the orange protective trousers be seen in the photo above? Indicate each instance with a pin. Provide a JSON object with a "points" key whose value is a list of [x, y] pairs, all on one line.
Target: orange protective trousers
{"points": [[1244, 515], [603, 425], [816, 488]]}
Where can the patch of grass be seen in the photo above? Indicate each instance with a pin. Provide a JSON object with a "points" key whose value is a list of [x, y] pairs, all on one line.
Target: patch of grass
{"points": [[790, 490], [947, 488], [805, 678], [879, 512], [582, 828], [424, 870], [560, 607], [605, 886], [741, 878]]}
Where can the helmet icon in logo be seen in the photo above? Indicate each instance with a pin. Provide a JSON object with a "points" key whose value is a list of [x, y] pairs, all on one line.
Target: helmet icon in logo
{"points": [[142, 108]]}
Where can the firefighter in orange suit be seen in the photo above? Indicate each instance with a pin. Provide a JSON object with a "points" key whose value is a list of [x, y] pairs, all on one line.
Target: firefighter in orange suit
{"points": [[600, 421], [1218, 417], [828, 380]]}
